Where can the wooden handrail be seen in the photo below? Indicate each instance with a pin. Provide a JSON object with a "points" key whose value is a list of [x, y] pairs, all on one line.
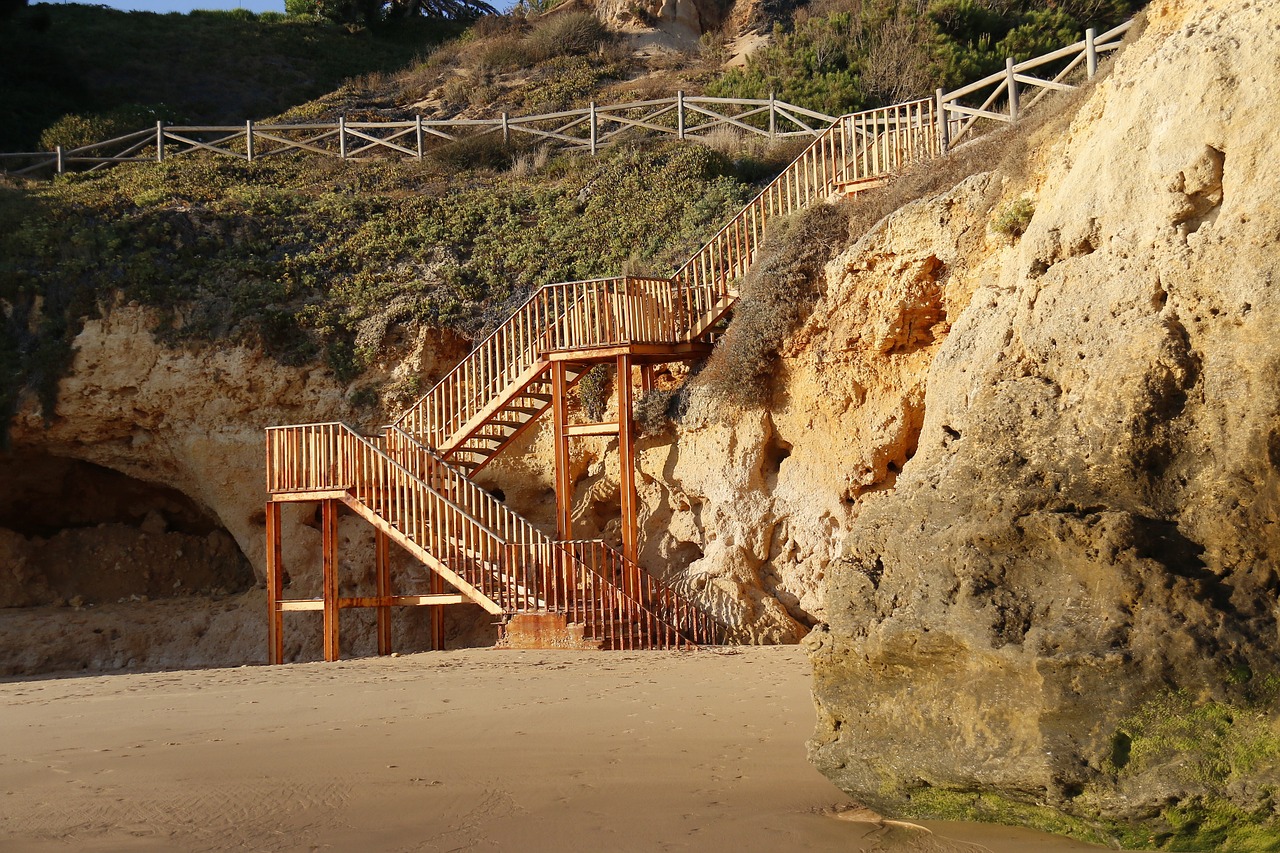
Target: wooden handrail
{"points": [[660, 601], [403, 480], [601, 312], [496, 552]]}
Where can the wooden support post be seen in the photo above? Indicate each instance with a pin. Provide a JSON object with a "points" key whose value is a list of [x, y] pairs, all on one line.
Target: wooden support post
{"points": [[559, 422], [940, 105], [437, 615], [593, 128], [627, 463], [773, 117], [275, 586], [506, 129], [342, 137], [160, 142], [248, 140], [1091, 51], [680, 115], [1013, 88], [329, 550], [646, 378], [417, 126], [382, 570], [59, 165]]}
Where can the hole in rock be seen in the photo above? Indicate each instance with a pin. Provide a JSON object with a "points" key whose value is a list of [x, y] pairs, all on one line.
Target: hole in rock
{"points": [[776, 453], [72, 531]]}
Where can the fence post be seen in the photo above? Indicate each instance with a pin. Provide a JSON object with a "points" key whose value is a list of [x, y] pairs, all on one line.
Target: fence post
{"points": [[160, 141], [1013, 88], [248, 139], [773, 117], [941, 120], [59, 160], [593, 128], [506, 129], [418, 133], [1091, 51], [342, 137], [680, 115]]}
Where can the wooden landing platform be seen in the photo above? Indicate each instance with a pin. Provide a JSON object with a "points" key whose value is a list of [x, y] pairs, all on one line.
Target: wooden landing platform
{"points": [[638, 352]]}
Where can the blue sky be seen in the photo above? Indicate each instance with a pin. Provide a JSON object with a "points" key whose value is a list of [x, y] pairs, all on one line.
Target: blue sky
{"points": [[188, 5]]}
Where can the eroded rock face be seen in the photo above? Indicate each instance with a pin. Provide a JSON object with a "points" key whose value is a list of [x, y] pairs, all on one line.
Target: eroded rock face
{"points": [[687, 19], [1090, 517], [748, 511], [171, 502]]}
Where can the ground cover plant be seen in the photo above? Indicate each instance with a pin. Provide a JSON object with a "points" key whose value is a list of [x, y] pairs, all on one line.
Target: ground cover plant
{"points": [[315, 259]]}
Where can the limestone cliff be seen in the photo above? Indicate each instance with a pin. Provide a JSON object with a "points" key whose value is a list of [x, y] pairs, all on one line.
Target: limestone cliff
{"points": [[147, 484], [1086, 528]]}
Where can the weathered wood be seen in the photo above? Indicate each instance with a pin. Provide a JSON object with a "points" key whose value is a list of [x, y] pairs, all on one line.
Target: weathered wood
{"points": [[560, 437], [578, 430]]}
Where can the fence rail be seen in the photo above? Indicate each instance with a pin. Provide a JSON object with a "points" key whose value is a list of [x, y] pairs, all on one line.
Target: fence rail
{"points": [[583, 130], [1003, 92], [590, 128]]}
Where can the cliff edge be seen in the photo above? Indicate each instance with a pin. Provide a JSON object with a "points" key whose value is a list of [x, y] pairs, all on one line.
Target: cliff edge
{"points": [[1063, 611]]}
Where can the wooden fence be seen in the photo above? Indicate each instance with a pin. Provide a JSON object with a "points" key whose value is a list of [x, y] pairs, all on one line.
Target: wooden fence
{"points": [[1000, 97], [585, 130], [1006, 91]]}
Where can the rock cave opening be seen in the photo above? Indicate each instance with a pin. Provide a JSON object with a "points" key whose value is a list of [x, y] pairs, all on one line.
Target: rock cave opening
{"points": [[776, 452], [72, 532]]}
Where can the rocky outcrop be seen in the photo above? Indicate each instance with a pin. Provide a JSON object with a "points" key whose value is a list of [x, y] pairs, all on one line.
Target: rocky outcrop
{"points": [[1089, 518], [148, 483]]}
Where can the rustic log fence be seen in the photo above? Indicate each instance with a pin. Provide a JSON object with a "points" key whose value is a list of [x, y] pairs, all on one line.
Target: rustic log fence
{"points": [[1006, 91]]}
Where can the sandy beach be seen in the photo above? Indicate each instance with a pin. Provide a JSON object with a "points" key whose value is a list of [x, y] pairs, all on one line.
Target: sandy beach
{"points": [[469, 750]]}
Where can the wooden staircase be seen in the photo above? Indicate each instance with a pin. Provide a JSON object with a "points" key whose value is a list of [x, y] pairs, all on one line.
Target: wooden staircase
{"points": [[413, 482]]}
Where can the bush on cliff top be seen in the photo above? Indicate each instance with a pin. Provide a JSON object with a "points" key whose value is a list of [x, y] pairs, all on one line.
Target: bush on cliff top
{"points": [[842, 55], [777, 296], [60, 59]]}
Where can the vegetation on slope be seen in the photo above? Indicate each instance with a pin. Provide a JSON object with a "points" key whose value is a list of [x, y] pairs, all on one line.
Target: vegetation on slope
{"points": [[219, 67], [843, 55], [316, 258]]}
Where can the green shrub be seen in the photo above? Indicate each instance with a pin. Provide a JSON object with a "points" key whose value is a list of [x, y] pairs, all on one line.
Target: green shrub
{"points": [[76, 130], [655, 411], [481, 151], [839, 56], [1013, 219]]}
